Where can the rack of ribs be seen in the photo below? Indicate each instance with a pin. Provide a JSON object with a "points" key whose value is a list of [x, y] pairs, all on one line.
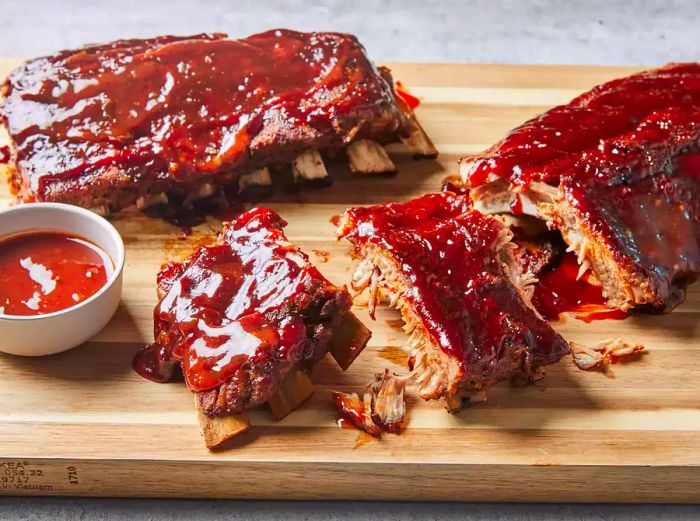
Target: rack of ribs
{"points": [[172, 120], [244, 321], [617, 172], [464, 300]]}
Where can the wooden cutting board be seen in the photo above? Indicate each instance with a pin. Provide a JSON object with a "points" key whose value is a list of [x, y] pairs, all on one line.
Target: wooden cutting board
{"points": [[82, 423]]}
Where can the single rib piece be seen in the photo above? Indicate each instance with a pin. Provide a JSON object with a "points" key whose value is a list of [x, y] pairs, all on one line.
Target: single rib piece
{"points": [[108, 124], [617, 171], [465, 304], [242, 316]]}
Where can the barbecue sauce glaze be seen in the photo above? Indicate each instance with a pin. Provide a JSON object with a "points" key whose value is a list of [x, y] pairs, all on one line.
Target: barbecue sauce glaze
{"points": [[457, 284], [626, 156], [182, 105], [233, 303], [641, 119]]}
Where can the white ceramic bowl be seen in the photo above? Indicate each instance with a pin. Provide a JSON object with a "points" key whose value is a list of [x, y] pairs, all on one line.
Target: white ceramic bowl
{"points": [[55, 332]]}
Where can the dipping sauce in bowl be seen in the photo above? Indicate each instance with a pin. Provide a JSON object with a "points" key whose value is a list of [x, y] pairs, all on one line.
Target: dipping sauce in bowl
{"points": [[61, 274], [44, 271]]}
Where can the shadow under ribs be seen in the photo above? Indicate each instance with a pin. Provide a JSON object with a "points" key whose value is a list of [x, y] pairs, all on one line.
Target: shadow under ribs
{"points": [[465, 303], [617, 172], [246, 320], [171, 120]]}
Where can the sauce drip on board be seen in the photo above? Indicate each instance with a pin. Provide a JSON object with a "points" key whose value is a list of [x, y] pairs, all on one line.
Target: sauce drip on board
{"points": [[46, 271], [559, 292]]}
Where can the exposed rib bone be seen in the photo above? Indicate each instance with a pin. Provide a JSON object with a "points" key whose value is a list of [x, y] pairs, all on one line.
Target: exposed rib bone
{"points": [[217, 430], [146, 201], [348, 341], [102, 210], [309, 167], [205, 190], [369, 157], [294, 390], [418, 142], [259, 177]]}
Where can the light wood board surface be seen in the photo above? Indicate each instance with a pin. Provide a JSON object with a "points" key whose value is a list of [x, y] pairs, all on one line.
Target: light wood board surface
{"points": [[83, 423]]}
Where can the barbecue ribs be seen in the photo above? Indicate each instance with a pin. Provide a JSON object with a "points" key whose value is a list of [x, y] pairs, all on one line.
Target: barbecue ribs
{"points": [[463, 297], [617, 172], [243, 316], [172, 120]]}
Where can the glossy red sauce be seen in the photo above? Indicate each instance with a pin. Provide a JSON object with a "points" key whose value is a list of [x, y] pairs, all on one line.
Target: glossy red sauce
{"points": [[559, 292], [457, 284], [4, 155], [454, 183], [232, 303], [626, 157], [403, 93], [182, 105], [516, 205], [638, 120], [46, 271]]}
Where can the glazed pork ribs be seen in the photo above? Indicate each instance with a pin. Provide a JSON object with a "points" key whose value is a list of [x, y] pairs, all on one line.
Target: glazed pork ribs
{"points": [[245, 320], [170, 120], [617, 172], [464, 301]]}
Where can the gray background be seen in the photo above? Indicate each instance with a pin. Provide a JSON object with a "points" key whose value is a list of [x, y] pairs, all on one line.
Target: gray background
{"points": [[542, 31]]}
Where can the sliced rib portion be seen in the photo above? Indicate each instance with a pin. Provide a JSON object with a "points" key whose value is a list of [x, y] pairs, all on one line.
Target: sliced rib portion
{"points": [[246, 319], [617, 171], [464, 300], [136, 120]]}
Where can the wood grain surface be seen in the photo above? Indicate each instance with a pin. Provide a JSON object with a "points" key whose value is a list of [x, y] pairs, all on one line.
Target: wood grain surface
{"points": [[83, 423]]}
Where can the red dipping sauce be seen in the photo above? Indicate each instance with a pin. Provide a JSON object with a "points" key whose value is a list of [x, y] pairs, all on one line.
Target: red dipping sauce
{"points": [[46, 271]]}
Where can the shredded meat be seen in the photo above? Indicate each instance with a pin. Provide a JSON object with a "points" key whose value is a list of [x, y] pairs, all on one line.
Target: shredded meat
{"points": [[382, 407], [465, 301], [617, 172], [605, 352]]}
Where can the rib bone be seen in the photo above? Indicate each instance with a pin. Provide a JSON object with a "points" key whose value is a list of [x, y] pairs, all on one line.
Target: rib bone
{"points": [[217, 430], [102, 210], [418, 142], [259, 177], [369, 157], [146, 201], [309, 167]]}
